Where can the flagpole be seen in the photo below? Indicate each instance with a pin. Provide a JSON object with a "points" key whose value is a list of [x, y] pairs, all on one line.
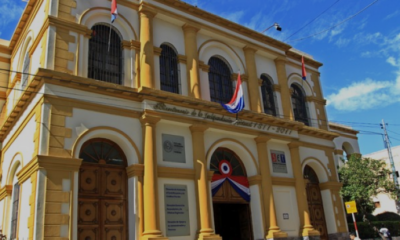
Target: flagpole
{"points": [[109, 38]]}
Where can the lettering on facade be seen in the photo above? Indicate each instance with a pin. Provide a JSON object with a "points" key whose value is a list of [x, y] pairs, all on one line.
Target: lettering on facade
{"points": [[218, 118], [176, 210], [278, 162]]}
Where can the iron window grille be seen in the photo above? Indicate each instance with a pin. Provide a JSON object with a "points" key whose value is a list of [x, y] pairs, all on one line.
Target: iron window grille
{"points": [[268, 95], [219, 78], [14, 215], [299, 105], [169, 70], [105, 65]]}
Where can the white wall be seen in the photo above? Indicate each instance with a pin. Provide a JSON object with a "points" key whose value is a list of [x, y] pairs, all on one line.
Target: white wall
{"points": [[285, 202]]}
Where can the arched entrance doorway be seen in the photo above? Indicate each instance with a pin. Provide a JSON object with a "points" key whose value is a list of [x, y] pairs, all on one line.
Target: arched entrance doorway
{"points": [[315, 204], [102, 199], [231, 196]]}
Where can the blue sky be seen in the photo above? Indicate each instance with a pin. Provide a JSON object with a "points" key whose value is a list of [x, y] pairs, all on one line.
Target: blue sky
{"points": [[361, 73]]}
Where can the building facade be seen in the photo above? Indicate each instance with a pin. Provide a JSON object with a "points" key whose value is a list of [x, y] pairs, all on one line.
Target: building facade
{"points": [[383, 201], [117, 132]]}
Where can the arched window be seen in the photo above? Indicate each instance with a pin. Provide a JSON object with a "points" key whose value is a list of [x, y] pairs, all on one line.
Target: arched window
{"points": [[220, 81], [268, 95], [169, 70], [15, 204], [104, 151], [224, 154], [25, 71], [105, 60], [299, 105]]}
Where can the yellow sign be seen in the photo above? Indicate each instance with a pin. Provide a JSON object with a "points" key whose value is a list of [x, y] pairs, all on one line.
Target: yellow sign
{"points": [[351, 207]]}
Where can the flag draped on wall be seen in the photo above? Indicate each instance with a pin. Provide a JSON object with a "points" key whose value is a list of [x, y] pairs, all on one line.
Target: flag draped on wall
{"points": [[303, 69], [239, 183], [237, 102], [114, 11]]}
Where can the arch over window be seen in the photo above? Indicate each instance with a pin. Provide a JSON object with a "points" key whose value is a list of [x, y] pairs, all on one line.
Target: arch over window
{"points": [[169, 69], [299, 105], [105, 61], [219, 78], [103, 151], [268, 97]]}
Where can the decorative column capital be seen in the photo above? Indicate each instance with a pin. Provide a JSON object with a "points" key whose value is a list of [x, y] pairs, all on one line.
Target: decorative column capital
{"points": [[262, 139], [149, 119], [294, 145], [147, 11], [190, 28], [338, 152], [199, 127], [280, 59], [250, 48]]}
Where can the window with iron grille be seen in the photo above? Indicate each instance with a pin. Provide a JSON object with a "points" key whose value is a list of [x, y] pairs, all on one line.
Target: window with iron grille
{"points": [[267, 91], [299, 105], [105, 61], [25, 71], [169, 69], [14, 214], [219, 77]]}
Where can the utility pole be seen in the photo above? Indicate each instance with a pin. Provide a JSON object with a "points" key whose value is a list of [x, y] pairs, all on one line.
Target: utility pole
{"points": [[389, 149]]}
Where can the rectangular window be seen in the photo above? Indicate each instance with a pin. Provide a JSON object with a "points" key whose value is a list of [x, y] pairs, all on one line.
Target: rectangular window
{"points": [[14, 215]]}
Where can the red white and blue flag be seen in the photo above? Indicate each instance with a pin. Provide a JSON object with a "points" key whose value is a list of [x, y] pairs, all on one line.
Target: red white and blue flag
{"points": [[237, 102], [239, 183], [303, 69], [114, 11]]}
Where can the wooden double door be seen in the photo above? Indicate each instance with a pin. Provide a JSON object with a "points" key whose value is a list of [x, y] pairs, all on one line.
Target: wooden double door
{"points": [[315, 204], [102, 202]]}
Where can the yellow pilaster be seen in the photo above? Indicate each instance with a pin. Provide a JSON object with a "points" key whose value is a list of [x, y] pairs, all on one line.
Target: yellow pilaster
{"points": [[273, 231], [280, 64], [201, 179], [146, 48], [253, 85], [192, 61], [151, 228], [306, 228]]}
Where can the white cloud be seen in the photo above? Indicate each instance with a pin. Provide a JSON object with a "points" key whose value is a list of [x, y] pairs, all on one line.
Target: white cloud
{"points": [[391, 61], [233, 16], [363, 95]]}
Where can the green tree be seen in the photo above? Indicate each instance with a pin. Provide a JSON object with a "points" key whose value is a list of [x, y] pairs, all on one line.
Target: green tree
{"points": [[364, 178]]}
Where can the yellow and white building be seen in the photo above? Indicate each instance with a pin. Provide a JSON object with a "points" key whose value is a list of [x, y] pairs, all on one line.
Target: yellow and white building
{"points": [[127, 141]]}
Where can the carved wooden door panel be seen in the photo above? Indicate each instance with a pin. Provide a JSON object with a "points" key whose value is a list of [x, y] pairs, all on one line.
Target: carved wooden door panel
{"points": [[316, 209], [102, 202]]}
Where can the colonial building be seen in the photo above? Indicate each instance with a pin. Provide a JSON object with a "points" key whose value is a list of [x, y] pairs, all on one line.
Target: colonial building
{"points": [[117, 132]]}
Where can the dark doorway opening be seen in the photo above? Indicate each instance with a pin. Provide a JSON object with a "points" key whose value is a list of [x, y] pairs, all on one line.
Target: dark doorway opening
{"points": [[233, 221]]}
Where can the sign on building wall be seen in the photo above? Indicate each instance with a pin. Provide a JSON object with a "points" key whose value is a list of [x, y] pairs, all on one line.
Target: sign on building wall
{"points": [[173, 148], [176, 210], [278, 162]]}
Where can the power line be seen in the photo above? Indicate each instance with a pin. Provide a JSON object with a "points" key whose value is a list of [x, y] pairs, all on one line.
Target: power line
{"points": [[332, 27], [312, 20]]}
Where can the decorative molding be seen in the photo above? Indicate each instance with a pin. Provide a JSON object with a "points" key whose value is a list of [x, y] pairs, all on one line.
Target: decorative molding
{"points": [[204, 67], [48, 163], [338, 152], [281, 181], [255, 180], [5, 191], [182, 59], [157, 51], [135, 170], [333, 186], [176, 173]]}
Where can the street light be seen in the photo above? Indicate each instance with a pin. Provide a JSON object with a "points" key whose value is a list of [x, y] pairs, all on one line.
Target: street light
{"points": [[276, 25]]}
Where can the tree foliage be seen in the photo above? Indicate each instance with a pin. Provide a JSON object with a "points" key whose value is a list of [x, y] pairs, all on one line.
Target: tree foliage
{"points": [[364, 178]]}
